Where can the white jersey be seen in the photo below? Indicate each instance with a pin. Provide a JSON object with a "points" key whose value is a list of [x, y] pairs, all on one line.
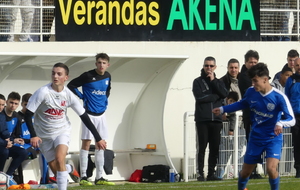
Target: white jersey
{"points": [[50, 110]]}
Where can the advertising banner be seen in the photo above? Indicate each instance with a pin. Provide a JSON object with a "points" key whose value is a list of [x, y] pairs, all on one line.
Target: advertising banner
{"points": [[157, 20]]}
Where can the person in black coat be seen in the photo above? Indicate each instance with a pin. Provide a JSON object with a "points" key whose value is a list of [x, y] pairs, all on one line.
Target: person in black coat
{"points": [[209, 93]]}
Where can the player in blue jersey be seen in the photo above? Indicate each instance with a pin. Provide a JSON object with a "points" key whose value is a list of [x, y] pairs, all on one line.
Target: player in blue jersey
{"points": [[95, 92], [267, 104], [17, 151]]}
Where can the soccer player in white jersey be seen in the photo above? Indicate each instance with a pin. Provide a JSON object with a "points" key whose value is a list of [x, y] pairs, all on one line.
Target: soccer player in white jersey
{"points": [[51, 129], [267, 105]]}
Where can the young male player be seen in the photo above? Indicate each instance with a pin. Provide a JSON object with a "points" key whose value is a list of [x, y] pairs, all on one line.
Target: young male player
{"points": [[95, 92], [267, 105], [51, 129]]}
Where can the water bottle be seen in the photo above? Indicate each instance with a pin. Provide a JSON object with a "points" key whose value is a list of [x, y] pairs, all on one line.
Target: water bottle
{"points": [[171, 175]]}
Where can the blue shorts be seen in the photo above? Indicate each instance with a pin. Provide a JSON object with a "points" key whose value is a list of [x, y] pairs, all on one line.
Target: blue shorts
{"points": [[255, 148]]}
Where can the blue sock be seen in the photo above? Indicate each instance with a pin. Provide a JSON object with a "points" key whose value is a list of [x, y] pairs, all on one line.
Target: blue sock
{"points": [[274, 183], [242, 182]]}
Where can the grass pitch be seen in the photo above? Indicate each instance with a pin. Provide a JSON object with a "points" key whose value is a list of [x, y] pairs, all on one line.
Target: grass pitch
{"points": [[286, 183]]}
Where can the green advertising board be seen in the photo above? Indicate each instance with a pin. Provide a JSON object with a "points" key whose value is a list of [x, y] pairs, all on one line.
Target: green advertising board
{"points": [[157, 20]]}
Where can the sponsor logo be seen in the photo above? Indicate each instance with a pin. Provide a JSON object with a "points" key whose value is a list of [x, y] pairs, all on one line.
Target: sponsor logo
{"points": [[99, 92]]}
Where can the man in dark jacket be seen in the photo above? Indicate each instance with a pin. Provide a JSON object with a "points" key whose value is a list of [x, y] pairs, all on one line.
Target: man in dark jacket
{"points": [[209, 93], [291, 57], [251, 59]]}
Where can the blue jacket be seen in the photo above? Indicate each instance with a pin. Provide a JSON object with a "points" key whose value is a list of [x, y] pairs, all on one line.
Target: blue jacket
{"points": [[292, 90], [4, 133]]}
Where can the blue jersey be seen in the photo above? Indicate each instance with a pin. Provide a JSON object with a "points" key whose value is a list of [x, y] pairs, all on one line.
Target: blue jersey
{"points": [[95, 90], [266, 112]]}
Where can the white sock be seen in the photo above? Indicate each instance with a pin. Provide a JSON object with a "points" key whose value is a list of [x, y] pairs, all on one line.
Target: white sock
{"points": [[69, 168], [99, 162], [62, 180], [83, 162]]}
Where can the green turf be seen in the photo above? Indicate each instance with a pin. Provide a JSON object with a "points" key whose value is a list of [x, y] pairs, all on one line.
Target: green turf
{"points": [[257, 184]]}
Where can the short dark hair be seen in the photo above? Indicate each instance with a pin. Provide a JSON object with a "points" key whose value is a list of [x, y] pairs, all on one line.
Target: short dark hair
{"points": [[285, 69], [233, 60], [260, 70], [102, 56], [251, 53], [14, 96], [26, 97], [64, 66], [210, 58], [293, 53], [2, 97], [233, 95]]}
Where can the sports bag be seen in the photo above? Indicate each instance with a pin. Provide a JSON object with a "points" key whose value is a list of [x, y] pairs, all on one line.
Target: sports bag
{"points": [[155, 173]]}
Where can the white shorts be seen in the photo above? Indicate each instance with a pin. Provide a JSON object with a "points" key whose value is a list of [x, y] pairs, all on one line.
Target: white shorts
{"points": [[48, 146], [100, 124]]}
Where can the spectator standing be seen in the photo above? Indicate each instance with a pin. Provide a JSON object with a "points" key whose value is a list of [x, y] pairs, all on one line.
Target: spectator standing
{"points": [[209, 92], [27, 17], [251, 59], [291, 57], [292, 87]]}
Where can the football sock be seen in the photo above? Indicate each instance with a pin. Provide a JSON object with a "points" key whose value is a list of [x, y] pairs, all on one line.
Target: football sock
{"points": [[242, 182], [274, 183], [62, 180], [83, 162], [99, 162]]}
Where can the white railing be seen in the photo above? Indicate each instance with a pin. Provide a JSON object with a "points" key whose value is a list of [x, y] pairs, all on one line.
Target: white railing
{"points": [[233, 161]]}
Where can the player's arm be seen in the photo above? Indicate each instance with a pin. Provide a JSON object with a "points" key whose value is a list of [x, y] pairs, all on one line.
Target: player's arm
{"points": [[34, 140], [289, 119], [74, 84], [88, 123]]}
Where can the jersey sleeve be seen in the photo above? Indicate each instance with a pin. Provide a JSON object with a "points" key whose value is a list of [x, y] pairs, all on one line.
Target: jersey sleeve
{"points": [[35, 100], [288, 119], [77, 82], [75, 104]]}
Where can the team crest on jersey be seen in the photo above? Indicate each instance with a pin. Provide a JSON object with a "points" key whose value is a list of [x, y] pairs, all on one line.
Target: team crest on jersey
{"points": [[270, 106], [106, 82], [63, 103]]}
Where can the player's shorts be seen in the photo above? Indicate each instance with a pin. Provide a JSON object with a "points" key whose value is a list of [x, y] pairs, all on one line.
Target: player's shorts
{"points": [[255, 149], [48, 145], [100, 124]]}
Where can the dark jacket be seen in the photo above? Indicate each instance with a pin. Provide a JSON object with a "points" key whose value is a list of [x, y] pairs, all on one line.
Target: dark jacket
{"points": [[244, 83], [244, 80], [208, 95], [227, 80], [4, 134]]}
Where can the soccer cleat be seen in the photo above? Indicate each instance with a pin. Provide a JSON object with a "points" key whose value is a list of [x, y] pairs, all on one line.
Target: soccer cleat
{"points": [[52, 180], [84, 182], [213, 178], [11, 181], [73, 174], [246, 188], [103, 181]]}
